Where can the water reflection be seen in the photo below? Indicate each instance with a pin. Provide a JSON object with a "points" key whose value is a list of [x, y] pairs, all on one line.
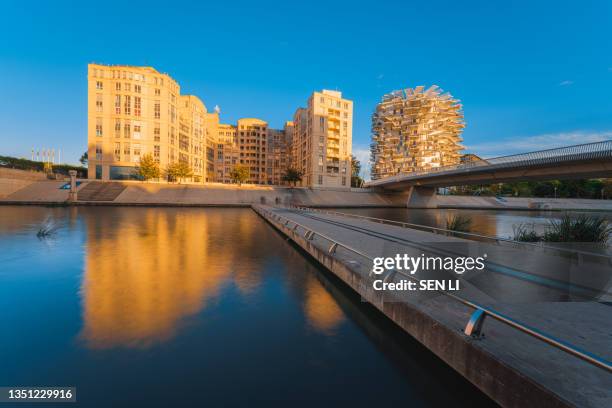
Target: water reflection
{"points": [[147, 270], [322, 311], [488, 222]]}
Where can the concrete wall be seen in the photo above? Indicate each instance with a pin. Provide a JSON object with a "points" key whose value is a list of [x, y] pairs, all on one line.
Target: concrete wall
{"points": [[12, 180], [432, 327], [522, 203]]}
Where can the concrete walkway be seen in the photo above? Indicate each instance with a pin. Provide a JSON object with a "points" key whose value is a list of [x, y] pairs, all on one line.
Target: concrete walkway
{"points": [[513, 368]]}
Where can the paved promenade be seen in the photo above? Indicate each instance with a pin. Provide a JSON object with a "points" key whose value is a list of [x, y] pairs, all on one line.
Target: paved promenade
{"points": [[512, 367]]}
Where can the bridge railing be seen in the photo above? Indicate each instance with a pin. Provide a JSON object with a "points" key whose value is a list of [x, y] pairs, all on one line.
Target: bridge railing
{"points": [[575, 253], [474, 325], [587, 151]]}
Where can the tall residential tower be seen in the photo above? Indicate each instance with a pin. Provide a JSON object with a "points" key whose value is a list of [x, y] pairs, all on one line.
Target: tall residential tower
{"points": [[322, 140], [415, 129]]}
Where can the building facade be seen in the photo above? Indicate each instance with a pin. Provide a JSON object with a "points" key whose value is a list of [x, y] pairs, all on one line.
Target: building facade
{"points": [[415, 129], [134, 111], [322, 140]]}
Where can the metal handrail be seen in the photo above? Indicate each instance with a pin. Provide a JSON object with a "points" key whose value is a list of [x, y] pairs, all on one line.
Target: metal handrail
{"points": [[466, 234], [477, 318]]}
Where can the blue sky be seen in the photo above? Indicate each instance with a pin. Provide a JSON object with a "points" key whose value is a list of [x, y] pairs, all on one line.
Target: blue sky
{"points": [[530, 74]]}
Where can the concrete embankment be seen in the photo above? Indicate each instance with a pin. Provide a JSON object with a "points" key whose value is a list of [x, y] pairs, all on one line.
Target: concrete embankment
{"points": [[12, 180], [23, 187], [512, 367], [522, 203], [137, 193]]}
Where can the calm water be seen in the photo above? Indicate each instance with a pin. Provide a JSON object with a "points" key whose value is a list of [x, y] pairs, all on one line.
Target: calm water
{"points": [[488, 222], [196, 307]]}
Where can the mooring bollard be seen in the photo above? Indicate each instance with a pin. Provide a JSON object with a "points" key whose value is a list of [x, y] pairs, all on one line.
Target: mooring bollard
{"points": [[72, 196]]}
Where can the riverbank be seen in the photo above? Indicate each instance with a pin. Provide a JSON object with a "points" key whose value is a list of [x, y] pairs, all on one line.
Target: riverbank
{"points": [[511, 366], [23, 188]]}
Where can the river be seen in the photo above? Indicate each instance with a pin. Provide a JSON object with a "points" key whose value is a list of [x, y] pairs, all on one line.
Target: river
{"points": [[186, 306]]}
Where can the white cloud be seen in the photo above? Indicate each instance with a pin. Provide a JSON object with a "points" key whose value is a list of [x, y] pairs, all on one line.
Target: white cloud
{"points": [[566, 83], [540, 142], [363, 155], [380, 76]]}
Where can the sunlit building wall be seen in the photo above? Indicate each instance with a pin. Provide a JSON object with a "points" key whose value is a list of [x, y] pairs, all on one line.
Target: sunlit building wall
{"points": [[322, 140], [134, 111]]}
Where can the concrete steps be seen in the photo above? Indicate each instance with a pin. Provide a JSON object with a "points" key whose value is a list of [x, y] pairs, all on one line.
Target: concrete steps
{"points": [[100, 191]]}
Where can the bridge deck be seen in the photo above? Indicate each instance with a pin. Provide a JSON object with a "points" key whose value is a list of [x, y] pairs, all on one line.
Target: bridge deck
{"points": [[507, 285]]}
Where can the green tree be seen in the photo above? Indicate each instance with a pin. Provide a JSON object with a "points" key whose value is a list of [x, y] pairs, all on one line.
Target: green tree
{"points": [[240, 174], [292, 175], [84, 159], [356, 180], [177, 171], [148, 168]]}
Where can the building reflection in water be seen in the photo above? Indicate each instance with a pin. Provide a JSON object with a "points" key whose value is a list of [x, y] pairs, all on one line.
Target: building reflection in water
{"points": [[322, 311], [147, 269]]}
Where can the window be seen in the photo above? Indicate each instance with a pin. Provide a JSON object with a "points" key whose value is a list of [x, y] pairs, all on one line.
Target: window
{"points": [[98, 102], [126, 131], [136, 149], [136, 133], [137, 106], [117, 128], [126, 149], [127, 105], [156, 152], [99, 85], [346, 106], [156, 133], [98, 151], [157, 91], [320, 179], [118, 104], [117, 151], [117, 86], [322, 123], [98, 126], [156, 110], [137, 88], [126, 87], [322, 100]]}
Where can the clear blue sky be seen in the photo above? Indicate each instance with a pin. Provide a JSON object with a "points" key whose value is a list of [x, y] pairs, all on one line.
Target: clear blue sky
{"points": [[530, 74]]}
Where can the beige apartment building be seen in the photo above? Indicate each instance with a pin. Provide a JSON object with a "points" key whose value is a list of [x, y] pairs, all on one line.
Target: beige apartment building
{"points": [[415, 129], [322, 140], [133, 111]]}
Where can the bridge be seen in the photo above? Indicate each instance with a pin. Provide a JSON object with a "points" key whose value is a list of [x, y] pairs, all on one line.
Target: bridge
{"points": [[590, 160]]}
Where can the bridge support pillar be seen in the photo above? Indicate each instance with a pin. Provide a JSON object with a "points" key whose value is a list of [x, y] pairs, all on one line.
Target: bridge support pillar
{"points": [[421, 197]]}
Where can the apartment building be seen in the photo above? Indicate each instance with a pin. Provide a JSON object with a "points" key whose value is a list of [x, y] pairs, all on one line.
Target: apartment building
{"points": [[227, 153], [322, 140], [279, 153], [133, 111], [414, 130]]}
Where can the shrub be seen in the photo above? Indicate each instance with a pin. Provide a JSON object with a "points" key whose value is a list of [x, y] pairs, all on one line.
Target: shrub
{"points": [[240, 174], [459, 223], [525, 233], [584, 228]]}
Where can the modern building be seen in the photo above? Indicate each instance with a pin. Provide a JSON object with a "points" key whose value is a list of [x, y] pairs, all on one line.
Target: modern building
{"points": [[279, 153], [322, 140], [133, 111], [415, 129]]}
